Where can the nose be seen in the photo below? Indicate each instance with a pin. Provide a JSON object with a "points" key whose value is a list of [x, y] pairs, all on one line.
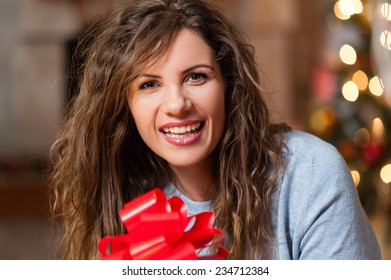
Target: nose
{"points": [[176, 102]]}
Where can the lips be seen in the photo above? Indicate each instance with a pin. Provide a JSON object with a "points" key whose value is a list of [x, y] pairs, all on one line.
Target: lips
{"points": [[182, 133]]}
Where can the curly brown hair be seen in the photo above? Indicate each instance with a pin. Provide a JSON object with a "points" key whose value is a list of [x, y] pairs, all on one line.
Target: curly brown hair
{"points": [[100, 161]]}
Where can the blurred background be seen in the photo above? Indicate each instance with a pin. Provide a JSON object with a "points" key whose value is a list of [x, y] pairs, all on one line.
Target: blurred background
{"points": [[326, 65]]}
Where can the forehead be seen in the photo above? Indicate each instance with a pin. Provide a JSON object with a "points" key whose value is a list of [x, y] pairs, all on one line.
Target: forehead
{"points": [[185, 47]]}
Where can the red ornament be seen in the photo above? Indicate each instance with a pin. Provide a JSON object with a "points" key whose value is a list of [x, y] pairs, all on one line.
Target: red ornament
{"points": [[373, 151]]}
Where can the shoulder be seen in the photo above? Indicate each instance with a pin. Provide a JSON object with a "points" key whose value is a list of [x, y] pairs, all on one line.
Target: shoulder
{"points": [[312, 157], [315, 166], [303, 144]]}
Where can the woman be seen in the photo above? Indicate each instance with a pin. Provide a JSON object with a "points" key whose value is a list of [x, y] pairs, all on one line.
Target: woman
{"points": [[171, 98]]}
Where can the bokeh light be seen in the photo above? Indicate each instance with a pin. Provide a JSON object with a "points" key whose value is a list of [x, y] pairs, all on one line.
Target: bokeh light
{"points": [[385, 39], [376, 86], [358, 7], [346, 7], [360, 79], [377, 128], [322, 121], [350, 91], [338, 12], [356, 177], [385, 173], [347, 54], [385, 10]]}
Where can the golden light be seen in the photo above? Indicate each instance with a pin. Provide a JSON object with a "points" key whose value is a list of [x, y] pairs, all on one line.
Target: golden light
{"points": [[362, 137], [347, 54], [385, 39], [346, 7], [385, 173], [385, 10], [338, 12], [360, 79], [376, 86], [356, 177], [350, 91], [377, 128], [322, 120], [358, 7]]}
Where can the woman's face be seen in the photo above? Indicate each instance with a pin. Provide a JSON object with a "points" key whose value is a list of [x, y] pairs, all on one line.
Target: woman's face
{"points": [[178, 102]]}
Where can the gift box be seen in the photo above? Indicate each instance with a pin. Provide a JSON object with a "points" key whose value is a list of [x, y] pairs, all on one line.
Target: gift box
{"points": [[159, 229]]}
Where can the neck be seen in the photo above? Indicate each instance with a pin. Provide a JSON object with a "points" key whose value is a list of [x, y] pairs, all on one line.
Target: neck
{"points": [[195, 182]]}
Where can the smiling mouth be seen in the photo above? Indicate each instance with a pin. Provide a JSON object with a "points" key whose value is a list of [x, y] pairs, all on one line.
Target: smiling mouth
{"points": [[178, 132]]}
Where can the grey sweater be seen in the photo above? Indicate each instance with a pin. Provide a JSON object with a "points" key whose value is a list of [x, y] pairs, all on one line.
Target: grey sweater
{"points": [[316, 210]]}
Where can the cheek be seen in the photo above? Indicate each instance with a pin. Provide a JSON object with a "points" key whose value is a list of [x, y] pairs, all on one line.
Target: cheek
{"points": [[144, 115], [140, 116], [139, 109], [220, 112], [216, 105]]}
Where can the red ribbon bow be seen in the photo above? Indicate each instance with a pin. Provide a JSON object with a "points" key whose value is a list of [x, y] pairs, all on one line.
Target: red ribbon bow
{"points": [[156, 231]]}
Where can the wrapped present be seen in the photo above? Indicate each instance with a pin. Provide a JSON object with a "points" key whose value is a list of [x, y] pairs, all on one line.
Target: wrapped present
{"points": [[159, 229]]}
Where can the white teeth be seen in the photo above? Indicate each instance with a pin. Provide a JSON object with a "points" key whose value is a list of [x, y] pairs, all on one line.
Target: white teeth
{"points": [[181, 129]]}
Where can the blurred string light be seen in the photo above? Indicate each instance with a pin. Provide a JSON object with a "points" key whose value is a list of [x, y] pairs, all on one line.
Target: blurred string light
{"points": [[350, 91], [344, 9], [377, 128], [358, 6], [356, 177], [385, 173], [338, 13], [348, 54], [385, 36], [385, 11], [385, 39], [322, 121], [360, 79], [376, 86]]}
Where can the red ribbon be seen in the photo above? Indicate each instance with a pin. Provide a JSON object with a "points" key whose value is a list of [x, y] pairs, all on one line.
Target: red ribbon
{"points": [[157, 231]]}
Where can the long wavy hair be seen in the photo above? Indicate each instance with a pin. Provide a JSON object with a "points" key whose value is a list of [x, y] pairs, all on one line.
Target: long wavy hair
{"points": [[99, 160]]}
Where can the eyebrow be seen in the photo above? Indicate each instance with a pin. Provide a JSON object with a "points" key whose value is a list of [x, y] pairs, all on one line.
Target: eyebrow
{"points": [[183, 72], [198, 66]]}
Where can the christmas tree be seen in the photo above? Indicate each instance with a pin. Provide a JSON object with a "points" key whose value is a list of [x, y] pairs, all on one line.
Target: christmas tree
{"points": [[352, 95]]}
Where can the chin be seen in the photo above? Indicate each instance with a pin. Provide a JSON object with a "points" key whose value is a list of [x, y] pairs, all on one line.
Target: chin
{"points": [[184, 162]]}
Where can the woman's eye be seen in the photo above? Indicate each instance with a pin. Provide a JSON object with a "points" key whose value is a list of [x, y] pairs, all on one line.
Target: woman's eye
{"points": [[148, 85], [196, 78]]}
